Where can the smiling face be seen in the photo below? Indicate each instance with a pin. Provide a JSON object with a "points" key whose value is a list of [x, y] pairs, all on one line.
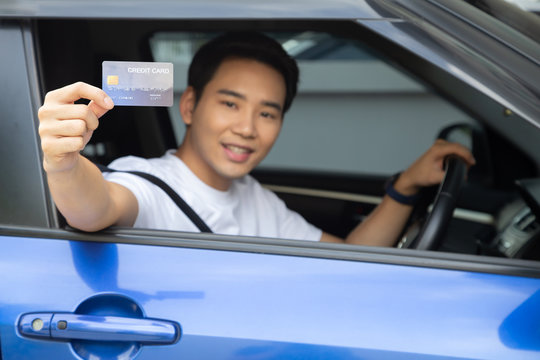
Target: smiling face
{"points": [[235, 122]]}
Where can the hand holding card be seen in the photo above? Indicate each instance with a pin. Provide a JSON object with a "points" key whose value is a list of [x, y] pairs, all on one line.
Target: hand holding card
{"points": [[131, 83]]}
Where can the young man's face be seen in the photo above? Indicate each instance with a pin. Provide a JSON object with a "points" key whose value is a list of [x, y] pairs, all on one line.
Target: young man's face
{"points": [[235, 122]]}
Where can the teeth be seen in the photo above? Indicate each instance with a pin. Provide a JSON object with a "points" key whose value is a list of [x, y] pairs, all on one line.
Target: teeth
{"points": [[237, 150]]}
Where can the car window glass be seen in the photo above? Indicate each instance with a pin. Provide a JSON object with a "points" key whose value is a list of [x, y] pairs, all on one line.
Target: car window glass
{"points": [[354, 112]]}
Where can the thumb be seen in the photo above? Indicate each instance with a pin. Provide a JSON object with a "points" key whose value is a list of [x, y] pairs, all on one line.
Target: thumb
{"points": [[101, 109]]}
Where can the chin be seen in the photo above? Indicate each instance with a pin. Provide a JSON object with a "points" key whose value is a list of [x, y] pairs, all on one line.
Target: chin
{"points": [[236, 173]]}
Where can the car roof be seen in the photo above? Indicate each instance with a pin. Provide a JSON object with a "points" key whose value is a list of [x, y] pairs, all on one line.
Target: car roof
{"points": [[480, 13], [192, 9]]}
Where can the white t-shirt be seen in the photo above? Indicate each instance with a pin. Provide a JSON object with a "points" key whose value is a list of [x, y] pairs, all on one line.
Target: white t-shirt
{"points": [[246, 208]]}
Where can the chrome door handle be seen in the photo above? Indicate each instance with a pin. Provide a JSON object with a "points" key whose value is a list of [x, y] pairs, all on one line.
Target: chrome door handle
{"points": [[70, 326]]}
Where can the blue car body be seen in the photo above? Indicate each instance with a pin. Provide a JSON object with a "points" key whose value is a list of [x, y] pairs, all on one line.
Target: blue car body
{"points": [[235, 305], [150, 294]]}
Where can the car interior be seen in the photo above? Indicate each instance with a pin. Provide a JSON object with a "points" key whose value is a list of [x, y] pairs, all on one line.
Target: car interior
{"points": [[366, 109]]}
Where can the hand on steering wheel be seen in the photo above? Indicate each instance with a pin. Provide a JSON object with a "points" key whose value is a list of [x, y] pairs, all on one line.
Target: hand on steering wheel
{"points": [[445, 163]]}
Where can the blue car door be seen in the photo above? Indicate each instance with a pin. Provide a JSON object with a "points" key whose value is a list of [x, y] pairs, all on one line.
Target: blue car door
{"points": [[120, 297]]}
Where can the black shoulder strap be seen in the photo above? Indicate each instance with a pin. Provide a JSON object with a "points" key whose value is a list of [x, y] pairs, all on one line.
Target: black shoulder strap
{"points": [[190, 213]]}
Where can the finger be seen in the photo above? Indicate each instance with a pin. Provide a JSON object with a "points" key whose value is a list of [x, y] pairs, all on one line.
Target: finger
{"points": [[75, 127], [80, 90], [69, 112], [443, 148], [97, 109], [62, 145], [461, 151]]}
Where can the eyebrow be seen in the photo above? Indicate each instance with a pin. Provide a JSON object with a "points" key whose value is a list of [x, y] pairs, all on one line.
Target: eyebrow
{"points": [[235, 94]]}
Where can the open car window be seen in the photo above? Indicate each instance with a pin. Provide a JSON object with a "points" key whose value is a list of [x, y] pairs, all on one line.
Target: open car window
{"points": [[366, 109]]}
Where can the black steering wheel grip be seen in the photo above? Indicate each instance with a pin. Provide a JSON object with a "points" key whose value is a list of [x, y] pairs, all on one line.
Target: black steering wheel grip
{"points": [[436, 225]]}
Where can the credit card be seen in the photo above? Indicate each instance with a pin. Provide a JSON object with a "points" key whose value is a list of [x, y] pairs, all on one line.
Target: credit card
{"points": [[130, 83]]}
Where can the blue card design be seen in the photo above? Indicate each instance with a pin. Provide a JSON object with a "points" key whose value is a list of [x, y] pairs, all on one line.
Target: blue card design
{"points": [[130, 83]]}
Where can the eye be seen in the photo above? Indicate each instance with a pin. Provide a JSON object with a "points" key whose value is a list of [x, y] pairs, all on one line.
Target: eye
{"points": [[229, 104], [268, 115]]}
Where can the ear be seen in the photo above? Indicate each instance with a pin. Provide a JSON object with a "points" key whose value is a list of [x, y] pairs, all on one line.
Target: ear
{"points": [[187, 105]]}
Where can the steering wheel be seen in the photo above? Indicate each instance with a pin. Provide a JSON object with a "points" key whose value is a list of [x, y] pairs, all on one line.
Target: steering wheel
{"points": [[432, 232]]}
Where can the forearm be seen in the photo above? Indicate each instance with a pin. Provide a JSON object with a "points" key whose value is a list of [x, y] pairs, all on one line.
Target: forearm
{"points": [[383, 226], [83, 196]]}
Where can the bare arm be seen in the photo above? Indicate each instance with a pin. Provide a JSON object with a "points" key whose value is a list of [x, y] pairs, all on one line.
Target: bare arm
{"points": [[384, 224], [83, 196]]}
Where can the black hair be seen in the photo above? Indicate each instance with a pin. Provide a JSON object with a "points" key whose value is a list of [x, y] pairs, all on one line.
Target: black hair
{"points": [[248, 45]]}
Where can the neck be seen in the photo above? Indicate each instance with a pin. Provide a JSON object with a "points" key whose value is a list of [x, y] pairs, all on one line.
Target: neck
{"points": [[193, 162]]}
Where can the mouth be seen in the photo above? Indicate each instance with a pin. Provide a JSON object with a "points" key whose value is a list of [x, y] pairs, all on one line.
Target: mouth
{"points": [[238, 149], [237, 153]]}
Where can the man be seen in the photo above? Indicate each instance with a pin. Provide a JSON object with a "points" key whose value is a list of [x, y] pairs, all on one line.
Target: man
{"points": [[239, 87]]}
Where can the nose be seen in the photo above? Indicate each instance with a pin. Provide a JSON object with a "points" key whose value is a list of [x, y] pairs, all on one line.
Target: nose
{"points": [[245, 125]]}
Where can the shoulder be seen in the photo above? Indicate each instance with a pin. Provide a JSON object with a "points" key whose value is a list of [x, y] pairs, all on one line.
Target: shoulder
{"points": [[131, 163], [153, 166]]}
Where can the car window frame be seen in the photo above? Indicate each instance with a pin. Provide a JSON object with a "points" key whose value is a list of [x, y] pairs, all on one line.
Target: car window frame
{"points": [[52, 229]]}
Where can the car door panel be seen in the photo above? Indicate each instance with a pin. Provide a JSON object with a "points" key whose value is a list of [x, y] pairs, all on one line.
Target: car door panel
{"points": [[253, 305]]}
